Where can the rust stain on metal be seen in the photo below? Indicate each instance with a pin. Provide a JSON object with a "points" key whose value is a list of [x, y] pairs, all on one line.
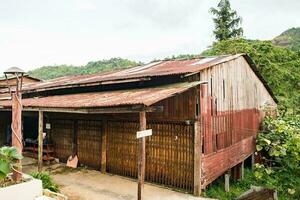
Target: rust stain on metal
{"points": [[161, 68], [144, 96]]}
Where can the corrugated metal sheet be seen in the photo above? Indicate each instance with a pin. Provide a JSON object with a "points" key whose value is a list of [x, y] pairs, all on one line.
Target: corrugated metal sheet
{"points": [[141, 73], [144, 96], [161, 68]]}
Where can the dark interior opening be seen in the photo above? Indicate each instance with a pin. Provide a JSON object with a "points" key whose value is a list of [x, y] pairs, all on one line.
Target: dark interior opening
{"points": [[30, 127]]}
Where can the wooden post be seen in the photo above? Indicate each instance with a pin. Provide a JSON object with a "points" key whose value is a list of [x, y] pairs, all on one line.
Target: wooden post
{"points": [[17, 133], [40, 140], [103, 146], [197, 159], [243, 170], [141, 157], [227, 180], [252, 162]]}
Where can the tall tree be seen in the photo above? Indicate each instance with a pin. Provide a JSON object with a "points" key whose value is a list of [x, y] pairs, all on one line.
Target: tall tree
{"points": [[226, 21]]}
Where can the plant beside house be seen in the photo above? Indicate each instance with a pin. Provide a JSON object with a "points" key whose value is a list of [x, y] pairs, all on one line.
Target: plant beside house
{"points": [[26, 189], [8, 158]]}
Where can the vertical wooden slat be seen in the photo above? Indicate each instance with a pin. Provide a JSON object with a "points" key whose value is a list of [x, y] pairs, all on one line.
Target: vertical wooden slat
{"points": [[103, 145], [40, 141]]}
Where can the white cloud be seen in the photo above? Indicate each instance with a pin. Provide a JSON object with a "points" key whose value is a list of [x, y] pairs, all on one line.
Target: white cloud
{"points": [[84, 5], [36, 33]]}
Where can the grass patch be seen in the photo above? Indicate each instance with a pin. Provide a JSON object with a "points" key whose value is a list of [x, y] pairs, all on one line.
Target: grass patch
{"points": [[47, 181], [216, 190]]}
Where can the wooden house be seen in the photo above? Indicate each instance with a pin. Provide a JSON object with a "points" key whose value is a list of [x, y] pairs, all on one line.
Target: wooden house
{"points": [[204, 113], [12, 81]]}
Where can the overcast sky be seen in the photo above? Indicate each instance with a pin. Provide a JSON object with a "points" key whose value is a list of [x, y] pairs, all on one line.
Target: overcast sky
{"points": [[34, 33]]}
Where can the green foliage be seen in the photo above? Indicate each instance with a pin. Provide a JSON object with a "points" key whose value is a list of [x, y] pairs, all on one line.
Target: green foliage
{"points": [[8, 157], [50, 72], [46, 180], [289, 39], [216, 190], [280, 146], [226, 22], [279, 66]]}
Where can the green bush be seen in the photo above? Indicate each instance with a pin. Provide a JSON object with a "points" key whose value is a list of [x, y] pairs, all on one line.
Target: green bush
{"points": [[47, 181], [279, 144], [8, 158]]}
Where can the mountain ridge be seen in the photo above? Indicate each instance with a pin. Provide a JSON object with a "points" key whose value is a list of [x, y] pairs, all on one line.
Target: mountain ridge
{"points": [[289, 39]]}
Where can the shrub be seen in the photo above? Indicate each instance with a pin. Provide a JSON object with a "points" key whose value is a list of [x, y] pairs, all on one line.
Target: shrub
{"points": [[279, 144], [8, 158], [47, 181]]}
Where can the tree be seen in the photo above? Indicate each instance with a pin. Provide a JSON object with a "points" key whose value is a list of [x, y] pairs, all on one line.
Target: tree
{"points": [[226, 22]]}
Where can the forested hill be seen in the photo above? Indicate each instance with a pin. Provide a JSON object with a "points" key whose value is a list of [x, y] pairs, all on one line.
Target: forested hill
{"points": [[289, 39], [49, 72]]}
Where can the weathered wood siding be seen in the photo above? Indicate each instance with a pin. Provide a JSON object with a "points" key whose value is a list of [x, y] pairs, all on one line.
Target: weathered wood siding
{"points": [[169, 152], [3, 82], [232, 111], [234, 86], [179, 107], [62, 137], [89, 142], [217, 163]]}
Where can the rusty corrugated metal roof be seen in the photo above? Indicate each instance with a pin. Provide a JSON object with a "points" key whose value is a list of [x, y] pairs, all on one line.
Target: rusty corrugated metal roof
{"points": [[144, 96], [160, 68]]}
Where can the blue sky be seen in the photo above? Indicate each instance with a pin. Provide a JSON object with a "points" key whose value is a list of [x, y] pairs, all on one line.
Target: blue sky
{"points": [[34, 33]]}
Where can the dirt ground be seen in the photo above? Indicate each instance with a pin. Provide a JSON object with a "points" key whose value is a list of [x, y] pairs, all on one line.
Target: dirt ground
{"points": [[87, 184]]}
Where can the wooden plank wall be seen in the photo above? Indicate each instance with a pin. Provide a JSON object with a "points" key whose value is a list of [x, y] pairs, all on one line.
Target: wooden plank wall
{"points": [[217, 163], [227, 128], [234, 86], [169, 152], [89, 142], [62, 137], [233, 109], [179, 107]]}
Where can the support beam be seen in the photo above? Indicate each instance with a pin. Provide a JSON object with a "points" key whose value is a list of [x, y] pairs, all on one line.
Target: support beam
{"points": [[40, 141], [237, 172], [227, 180], [105, 110], [103, 146], [141, 157], [197, 159], [253, 161], [243, 170], [17, 133]]}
